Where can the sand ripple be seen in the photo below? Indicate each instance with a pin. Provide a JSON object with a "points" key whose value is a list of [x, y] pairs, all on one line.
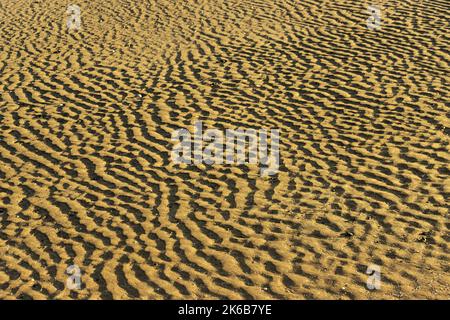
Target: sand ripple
{"points": [[85, 171]]}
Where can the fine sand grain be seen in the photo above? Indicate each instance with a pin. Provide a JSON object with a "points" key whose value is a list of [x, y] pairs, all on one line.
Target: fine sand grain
{"points": [[86, 178]]}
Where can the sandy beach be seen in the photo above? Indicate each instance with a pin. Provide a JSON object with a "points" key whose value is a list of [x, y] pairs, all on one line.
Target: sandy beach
{"points": [[93, 206]]}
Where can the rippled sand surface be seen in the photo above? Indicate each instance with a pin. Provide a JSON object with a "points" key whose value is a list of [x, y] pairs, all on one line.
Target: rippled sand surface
{"points": [[86, 177]]}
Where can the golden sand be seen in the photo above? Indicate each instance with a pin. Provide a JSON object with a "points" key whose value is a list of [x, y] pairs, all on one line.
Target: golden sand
{"points": [[85, 171]]}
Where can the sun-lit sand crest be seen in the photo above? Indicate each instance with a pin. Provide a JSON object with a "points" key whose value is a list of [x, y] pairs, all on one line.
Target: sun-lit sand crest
{"points": [[86, 178]]}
